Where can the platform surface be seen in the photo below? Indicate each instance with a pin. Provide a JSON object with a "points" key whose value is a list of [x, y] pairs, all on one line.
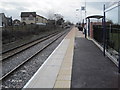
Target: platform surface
{"points": [[76, 63], [90, 68], [56, 70]]}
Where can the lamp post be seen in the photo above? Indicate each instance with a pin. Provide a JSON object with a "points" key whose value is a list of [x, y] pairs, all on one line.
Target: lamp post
{"points": [[85, 11], [81, 13]]}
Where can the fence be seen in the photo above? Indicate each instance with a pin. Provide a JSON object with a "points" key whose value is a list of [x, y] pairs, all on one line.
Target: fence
{"points": [[112, 37]]}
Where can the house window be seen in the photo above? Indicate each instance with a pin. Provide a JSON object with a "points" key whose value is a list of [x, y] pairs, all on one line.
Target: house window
{"points": [[24, 19], [31, 17], [36, 19]]}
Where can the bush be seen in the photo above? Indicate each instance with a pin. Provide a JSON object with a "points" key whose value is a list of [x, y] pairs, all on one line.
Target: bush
{"points": [[13, 33]]}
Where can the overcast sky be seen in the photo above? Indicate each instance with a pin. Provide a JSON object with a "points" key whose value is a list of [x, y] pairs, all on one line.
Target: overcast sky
{"points": [[67, 8]]}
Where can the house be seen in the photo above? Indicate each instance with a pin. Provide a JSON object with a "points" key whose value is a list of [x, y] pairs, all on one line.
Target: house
{"points": [[51, 22], [16, 22], [40, 20], [28, 17], [9, 21], [1, 20], [5, 21], [32, 18]]}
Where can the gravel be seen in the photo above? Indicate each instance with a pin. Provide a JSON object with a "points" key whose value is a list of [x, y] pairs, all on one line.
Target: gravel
{"points": [[20, 77], [12, 62]]}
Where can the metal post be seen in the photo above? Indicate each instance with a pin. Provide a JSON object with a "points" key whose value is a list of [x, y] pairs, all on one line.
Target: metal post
{"points": [[85, 19], [119, 61], [88, 27], [104, 32], [119, 34], [81, 16]]}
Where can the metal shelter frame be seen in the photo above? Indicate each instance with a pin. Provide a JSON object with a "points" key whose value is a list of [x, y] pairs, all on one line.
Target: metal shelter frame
{"points": [[104, 32]]}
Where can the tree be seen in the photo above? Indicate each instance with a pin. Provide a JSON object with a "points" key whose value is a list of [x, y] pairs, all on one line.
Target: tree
{"points": [[58, 18], [60, 21], [51, 15]]}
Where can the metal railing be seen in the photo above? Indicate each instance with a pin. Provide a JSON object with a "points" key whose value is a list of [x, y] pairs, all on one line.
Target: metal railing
{"points": [[112, 38]]}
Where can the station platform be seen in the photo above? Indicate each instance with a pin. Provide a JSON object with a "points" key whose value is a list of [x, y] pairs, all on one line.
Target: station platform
{"points": [[76, 63]]}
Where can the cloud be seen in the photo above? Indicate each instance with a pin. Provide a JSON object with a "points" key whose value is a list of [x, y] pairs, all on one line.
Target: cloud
{"points": [[43, 7]]}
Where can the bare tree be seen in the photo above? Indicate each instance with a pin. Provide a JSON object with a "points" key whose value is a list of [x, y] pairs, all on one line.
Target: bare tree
{"points": [[58, 16], [51, 15]]}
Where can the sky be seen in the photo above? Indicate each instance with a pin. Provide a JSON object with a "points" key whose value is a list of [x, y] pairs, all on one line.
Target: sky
{"points": [[67, 8]]}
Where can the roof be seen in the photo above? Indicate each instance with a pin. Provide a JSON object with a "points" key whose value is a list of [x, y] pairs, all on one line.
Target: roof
{"points": [[16, 20], [41, 17], [27, 14], [2, 14], [95, 16], [111, 3]]}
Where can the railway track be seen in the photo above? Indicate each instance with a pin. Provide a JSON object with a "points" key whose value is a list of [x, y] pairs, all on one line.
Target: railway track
{"points": [[32, 56], [16, 50]]}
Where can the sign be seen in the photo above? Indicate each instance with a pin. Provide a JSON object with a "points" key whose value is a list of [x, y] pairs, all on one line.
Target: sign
{"points": [[82, 8]]}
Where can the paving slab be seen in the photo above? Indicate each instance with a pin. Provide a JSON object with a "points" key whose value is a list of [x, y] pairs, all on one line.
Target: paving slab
{"points": [[46, 75], [64, 76], [62, 84]]}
